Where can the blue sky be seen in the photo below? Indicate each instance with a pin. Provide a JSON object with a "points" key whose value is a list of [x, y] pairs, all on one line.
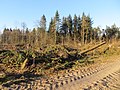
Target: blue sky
{"points": [[13, 12]]}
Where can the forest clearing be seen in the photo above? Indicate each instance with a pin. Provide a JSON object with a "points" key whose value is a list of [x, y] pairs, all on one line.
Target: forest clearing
{"points": [[49, 45], [57, 67]]}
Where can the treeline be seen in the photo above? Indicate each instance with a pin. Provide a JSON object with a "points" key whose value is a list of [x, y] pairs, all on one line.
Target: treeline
{"points": [[68, 30]]}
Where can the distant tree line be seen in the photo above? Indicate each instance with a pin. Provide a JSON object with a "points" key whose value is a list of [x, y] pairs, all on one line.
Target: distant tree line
{"points": [[63, 31]]}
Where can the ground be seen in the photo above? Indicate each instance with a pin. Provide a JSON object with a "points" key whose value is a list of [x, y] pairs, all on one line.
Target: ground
{"points": [[102, 74]]}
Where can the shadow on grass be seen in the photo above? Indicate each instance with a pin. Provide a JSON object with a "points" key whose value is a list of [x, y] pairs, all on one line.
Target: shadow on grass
{"points": [[12, 78]]}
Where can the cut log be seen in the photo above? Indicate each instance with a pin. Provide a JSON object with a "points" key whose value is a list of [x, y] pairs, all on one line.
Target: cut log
{"points": [[90, 49]]}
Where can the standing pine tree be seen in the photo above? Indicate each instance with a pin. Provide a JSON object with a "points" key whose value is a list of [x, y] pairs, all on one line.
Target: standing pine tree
{"points": [[52, 32], [33, 38], [69, 23], [70, 28], [64, 30], [43, 29], [89, 29], [57, 20], [83, 25], [86, 26], [75, 27], [57, 25], [79, 29]]}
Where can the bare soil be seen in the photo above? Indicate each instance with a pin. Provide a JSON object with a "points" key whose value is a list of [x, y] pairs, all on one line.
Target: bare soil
{"points": [[98, 79]]}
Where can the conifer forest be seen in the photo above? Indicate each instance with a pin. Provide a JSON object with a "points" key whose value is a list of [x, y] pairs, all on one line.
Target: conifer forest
{"points": [[67, 53]]}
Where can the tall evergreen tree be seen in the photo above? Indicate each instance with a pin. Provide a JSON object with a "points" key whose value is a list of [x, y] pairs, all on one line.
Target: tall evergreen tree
{"points": [[86, 26], [52, 31], [64, 29], [70, 23], [112, 32], [42, 30], [79, 29], [33, 37], [89, 29], [83, 25], [75, 24], [57, 20], [43, 22]]}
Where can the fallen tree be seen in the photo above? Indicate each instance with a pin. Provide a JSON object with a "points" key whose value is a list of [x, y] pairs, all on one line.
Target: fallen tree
{"points": [[90, 49]]}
